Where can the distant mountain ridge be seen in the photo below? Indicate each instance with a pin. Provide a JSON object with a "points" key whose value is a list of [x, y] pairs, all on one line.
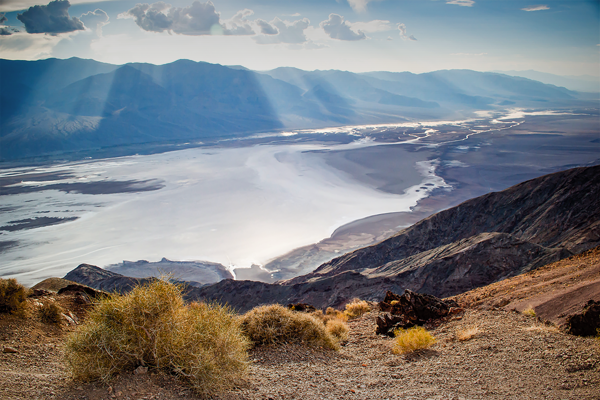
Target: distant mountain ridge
{"points": [[481, 241], [54, 106]]}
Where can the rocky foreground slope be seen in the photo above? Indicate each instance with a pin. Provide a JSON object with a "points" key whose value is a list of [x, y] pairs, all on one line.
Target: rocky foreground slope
{"points": [[481, 241], [507, 355]]}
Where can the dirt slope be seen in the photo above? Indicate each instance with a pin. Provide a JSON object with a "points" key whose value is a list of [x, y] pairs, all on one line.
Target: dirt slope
{"points": [[513, 356], [553, 291]]}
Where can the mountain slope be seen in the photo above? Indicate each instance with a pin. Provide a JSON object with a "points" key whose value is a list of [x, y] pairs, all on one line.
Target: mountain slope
{"points": [[556, 210]]}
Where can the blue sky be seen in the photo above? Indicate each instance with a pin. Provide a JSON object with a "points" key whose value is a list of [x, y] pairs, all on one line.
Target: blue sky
{"points": [[560, 37]]}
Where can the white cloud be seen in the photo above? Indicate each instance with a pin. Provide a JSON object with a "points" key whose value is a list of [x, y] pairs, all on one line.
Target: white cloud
{"points": [[95, 20], [464, 3], [239, 24], [197, 19], [536, 8], [337, 28], [377, 25], [266, 28], [360, 6], [288, 32], [403, 35]]}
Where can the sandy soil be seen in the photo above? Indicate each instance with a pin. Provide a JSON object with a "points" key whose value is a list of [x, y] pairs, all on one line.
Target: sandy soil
{"points": [[511, 356]]}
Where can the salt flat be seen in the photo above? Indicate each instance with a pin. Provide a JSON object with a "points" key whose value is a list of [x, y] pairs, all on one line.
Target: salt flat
{"points": [[253, 201], [235, 206]]}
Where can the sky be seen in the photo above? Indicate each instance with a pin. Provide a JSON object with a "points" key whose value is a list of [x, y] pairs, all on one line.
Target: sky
{"points": [[558, 37]]}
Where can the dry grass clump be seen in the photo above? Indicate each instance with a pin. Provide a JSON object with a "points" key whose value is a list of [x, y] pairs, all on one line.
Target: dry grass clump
{"points": [[50, 312], [330, 315], [12, 297], [152, 327], [409, 340], [530, 312], [467, 334], [274, 323], [338, 329], [356, 308]]}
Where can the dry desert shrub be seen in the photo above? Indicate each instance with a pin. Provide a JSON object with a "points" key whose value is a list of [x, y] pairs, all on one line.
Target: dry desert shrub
{"points": [[152, 327], [530, 312], [329, 315], [50, 312], [409, 340], [356, 308], [12, 297], [467, 334], [338, 329], [274, 323]]}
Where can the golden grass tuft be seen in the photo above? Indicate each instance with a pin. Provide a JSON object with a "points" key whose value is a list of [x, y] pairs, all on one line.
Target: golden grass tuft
{"points": [[467, 334], [274, 323], [50, 312], [338, 329], [13, 297], [151, 326], [530, 312], [409, 340], [356, 308]]}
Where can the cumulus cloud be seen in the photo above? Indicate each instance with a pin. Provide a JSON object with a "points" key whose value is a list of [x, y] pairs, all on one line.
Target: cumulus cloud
{"points": [[3, 18], [239, 24], [359, 6], [95, 20], [288, 32], [266, 28], [5, 32], [536, 8], [403, 35], [53, 19], [377, 25], [464, 3], [197, 19], [339, 29]]}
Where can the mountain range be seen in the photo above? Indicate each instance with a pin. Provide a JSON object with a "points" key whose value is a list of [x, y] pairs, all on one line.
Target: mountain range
{"points": [[481, 241], [55, 106]]}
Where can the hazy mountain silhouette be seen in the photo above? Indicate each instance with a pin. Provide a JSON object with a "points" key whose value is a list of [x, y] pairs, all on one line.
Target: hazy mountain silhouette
{"points": [[55, 106]]}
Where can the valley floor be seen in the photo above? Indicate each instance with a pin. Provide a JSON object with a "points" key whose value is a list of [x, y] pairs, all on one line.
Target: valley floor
{"points": [[512, 357]]}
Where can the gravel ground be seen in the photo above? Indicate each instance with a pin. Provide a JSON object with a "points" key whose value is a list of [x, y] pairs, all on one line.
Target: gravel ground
{"points": [[513, 356]]}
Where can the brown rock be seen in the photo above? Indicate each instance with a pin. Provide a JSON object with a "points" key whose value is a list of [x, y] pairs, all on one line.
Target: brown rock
{"points": [[411, 309], [10, 350]]}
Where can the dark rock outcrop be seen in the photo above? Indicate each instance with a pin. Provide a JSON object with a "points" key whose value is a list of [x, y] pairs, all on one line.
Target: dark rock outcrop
{"points": [[410, 309], [587, 322]]}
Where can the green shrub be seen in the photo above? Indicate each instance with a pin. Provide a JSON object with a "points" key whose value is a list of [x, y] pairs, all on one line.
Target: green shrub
{"points": [[276, 324], [151, 326], [50, 312], [12, 297], [412, 339]]}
